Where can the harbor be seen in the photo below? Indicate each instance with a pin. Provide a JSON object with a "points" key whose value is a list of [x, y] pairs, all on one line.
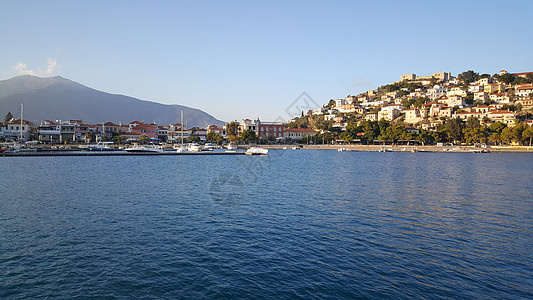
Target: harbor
{"points": [[111, 153]]}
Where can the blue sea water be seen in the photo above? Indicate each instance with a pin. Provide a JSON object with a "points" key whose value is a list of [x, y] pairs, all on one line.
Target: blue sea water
{"points": [[313, 224]]}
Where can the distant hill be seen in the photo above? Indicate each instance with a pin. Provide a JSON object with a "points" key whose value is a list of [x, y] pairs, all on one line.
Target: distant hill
{"points": [[57, 98]]}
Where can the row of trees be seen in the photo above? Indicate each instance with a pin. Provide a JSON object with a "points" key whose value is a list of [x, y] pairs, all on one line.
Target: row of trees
{"points": [[453, 130]]}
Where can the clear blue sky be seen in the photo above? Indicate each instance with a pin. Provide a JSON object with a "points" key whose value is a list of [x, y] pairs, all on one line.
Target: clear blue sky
{"points": [[248, 59]]}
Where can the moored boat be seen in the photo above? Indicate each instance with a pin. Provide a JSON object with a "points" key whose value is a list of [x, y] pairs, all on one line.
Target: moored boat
{"points": [[256, 151], [144, 148]]}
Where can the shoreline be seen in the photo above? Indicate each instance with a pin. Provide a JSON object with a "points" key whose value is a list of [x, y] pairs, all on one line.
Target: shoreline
{"points": [[405, 148]]}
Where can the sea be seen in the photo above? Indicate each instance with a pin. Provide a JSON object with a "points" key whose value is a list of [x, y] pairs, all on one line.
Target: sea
{"points": [[296, 224]]}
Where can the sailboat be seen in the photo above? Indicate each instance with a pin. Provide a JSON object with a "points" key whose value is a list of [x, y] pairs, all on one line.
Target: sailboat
{"points": [[182, 148]]}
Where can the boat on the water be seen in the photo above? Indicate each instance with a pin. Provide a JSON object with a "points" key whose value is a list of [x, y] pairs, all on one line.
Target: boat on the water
{"points": [[144, 148], [194, 147], [231, 147], [256, 151], [100, 146], [342, 149]]}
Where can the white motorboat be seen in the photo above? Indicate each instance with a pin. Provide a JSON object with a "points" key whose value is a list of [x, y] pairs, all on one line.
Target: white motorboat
{"points": [[231, 147], [342, 149], [256, 151], [144, 148], [100, 146], [193, 147], [208, 147]]}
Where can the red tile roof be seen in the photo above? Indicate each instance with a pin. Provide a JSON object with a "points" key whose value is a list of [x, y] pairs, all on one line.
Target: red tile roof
{"points": [[299, 130]]}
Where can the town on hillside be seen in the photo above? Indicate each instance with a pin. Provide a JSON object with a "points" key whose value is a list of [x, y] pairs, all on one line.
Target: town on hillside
{"points": [[470, 108]]}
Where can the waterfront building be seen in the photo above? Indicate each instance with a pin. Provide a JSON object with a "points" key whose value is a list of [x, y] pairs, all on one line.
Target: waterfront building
{"points": [[247, 124], [298, 133], [59, 131], [15, 129], [271, 129], [215, 129]]}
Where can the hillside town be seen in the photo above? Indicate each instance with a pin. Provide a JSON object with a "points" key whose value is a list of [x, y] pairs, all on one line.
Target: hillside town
{"points": [[469, 108]]}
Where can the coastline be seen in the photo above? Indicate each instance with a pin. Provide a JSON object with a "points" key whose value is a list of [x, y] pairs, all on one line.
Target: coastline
{"points": [[405, 148]]}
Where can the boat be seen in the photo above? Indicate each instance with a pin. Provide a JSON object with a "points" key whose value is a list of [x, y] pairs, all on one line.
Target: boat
{"points": [[484, 150], [231, 147], [208, 147], [342, 149], [144, 148], [194, 147], [256, 151], [100, 146], [180, 148]]}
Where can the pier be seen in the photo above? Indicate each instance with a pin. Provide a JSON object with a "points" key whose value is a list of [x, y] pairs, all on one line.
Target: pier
{"points": [[110, 153]]}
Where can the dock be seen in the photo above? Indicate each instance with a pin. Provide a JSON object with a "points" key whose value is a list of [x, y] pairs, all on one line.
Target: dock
{"points": [[110, 153]]}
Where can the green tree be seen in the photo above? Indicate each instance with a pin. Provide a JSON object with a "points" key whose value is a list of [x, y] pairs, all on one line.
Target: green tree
{"points": [[529, 77], [232, 128], [495, 137], [215, 138], [143, 138], [506, 78], [511, 135], [472, 123], [497, 127], [330, 104], [475, 135], [467, 76], [393, 133], [454, 129], [8, 117], [528, 134], [248, 136], [118, 138]]}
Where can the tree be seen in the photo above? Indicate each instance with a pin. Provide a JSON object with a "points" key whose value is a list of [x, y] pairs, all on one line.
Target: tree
{"points": [[393, 133], [495, 137], [472, 123], [497, 127], [528, 134], [215, 138], [506, 78], [467, 77], [529, 77], [232, 128], [453, 128], [143, 138], [330, 104], [8, 117], [248, 136], [118, 139], [475, 135]]}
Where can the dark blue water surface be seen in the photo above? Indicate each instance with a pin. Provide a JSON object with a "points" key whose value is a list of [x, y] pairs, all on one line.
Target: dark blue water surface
{"points": [[313, 224]]}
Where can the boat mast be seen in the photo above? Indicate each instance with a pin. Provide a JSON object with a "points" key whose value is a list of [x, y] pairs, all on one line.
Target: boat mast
{"points": [[182, 128], [21, 118]]}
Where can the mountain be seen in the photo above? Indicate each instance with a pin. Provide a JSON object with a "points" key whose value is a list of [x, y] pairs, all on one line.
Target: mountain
{"points": [[57, 98]]}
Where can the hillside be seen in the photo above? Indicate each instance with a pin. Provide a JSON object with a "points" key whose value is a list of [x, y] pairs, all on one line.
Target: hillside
{"points": [[57, 98]]}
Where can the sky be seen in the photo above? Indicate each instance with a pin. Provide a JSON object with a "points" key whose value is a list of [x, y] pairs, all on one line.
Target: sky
{"points": [[258, 59]]}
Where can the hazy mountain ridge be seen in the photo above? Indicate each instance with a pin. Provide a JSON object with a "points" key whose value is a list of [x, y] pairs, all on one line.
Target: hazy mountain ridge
{"points": [[57, 98]]}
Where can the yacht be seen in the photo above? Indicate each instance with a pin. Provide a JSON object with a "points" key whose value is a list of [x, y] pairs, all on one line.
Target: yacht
{"points": [[100, 146], [256, 151], [231, 147], [144, 148], [194, 147]]}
